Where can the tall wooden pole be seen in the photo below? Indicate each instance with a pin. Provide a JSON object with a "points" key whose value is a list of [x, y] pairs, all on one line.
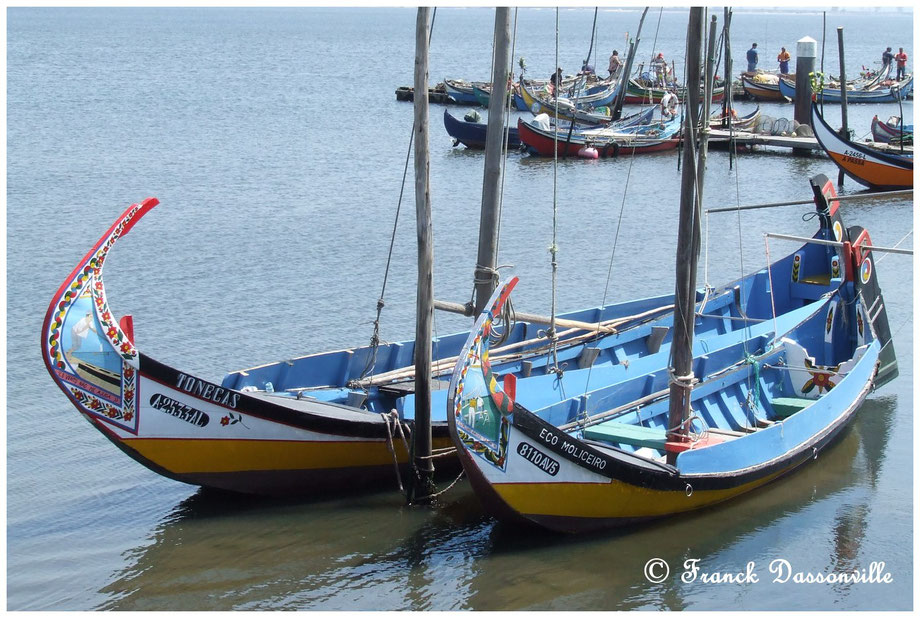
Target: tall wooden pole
{"points": [[727, 56], [627, 71], [421, 486], [486, 278], [844, 133], [685, 286], [707, 102]]}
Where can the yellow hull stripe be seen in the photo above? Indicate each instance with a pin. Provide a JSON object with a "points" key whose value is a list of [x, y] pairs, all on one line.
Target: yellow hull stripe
{"points": [[185, 456], [611, 500]]}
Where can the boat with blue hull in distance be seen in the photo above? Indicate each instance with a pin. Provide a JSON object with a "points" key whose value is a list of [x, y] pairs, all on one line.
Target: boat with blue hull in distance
{"points": [[878, 92], [473, 134], [806, 341]]}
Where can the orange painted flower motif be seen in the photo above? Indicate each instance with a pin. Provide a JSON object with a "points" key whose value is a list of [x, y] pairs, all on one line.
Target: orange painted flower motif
{"points": [[126, 348], [225, 421], [819, 380], [112, 332]]}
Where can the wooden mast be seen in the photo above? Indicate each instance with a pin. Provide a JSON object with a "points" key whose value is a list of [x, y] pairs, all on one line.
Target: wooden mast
{"points": [[727, 69], [844, 132], [688, 228], [485, 276], [624, 76], [421, 485]]}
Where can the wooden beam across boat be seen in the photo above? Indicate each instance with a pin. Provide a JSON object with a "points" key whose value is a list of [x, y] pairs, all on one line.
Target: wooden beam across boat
{"points": [[450, 307]]}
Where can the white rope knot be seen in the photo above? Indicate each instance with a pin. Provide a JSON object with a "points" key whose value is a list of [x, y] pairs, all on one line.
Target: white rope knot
{"points": [[685, 382], [484, 274]]}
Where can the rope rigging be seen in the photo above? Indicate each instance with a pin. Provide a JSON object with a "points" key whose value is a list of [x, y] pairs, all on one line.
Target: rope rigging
{"points": [[375, 337]]}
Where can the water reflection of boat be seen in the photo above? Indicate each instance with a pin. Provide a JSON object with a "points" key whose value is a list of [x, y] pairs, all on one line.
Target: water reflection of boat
{"points": [[219, 552]]}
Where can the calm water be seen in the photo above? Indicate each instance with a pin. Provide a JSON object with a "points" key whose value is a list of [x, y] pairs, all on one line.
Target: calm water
{"points": [[276, 147]]}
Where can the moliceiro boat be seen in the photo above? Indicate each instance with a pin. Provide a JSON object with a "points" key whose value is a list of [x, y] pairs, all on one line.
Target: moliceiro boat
{"points": [[298, 426], [337, 420], [869, 167], [762, 87], [874, 93], [616, 140], [801, 345]]}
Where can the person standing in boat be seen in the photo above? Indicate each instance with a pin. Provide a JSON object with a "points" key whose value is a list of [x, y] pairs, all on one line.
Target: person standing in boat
{"points": [[669, 103], [555, 81], [783, 59], [901, 59], [615, 64], [887, 57], [659, 68], [752, 58]]}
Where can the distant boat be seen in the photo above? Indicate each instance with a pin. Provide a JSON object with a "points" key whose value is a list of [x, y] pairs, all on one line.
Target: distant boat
{"points": [[473, 134], [608, 141], [877, 93], [739, 123], [461, 91], [764, 88], [638, 93], [872, 168], [885, 132], [537, 104]]}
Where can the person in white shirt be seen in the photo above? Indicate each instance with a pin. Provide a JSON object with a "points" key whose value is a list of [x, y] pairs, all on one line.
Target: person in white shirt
{"points": [[80, 331], [669, 103]]}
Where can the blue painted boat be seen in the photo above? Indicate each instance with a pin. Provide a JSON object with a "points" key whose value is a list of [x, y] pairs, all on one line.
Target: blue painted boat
{"points": [[461, 91], [804, 343], [473, 134], [879, 92], [519, 103]]}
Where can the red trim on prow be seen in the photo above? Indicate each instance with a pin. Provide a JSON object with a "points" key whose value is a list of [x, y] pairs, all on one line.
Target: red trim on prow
{"points": [[862, 245], [126, 324], [830, 192], [509, 385], [146, 205]]}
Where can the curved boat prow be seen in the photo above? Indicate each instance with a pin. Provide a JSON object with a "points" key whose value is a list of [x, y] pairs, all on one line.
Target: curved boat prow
{"points": [[478, 409], [86, 351]]}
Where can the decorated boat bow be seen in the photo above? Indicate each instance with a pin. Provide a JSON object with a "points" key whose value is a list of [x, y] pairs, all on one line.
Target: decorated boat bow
{"points": [[90, 355]]}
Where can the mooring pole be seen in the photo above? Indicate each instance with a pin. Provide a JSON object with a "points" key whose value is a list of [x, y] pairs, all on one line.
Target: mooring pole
{"points": [[485, 276], [844, 132], [421, 485], [685, 286], [806, 50]]}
